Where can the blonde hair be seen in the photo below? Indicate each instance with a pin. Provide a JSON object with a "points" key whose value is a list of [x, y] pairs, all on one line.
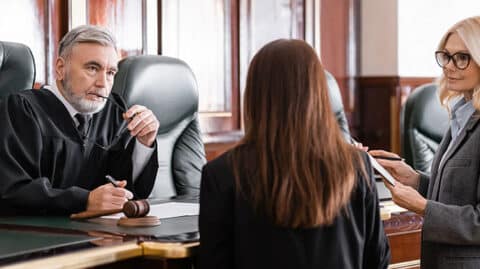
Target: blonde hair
{"points": [[469, 31]]}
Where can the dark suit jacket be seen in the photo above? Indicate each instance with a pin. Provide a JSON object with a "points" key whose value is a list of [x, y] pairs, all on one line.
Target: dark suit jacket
{"points": [[232, 235], [451, 228]]}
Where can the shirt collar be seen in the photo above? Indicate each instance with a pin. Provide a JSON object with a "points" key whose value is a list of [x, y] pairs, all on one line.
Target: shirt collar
{"points": [[54, 89], [462, 110]]}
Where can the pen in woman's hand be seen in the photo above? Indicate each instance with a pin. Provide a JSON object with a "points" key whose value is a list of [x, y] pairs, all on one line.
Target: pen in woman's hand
{"points": [[389, 158], [112, 180]]}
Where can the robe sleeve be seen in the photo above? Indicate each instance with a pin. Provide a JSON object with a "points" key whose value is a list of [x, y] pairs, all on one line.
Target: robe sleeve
{"points": [[120, 166], [21, 144], [120, 163]]}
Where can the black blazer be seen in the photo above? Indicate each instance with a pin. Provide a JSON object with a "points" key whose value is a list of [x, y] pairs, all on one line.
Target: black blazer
{"points": [[233, 236]]}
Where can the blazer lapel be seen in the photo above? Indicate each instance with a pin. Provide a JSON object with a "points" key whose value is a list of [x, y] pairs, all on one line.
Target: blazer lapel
{"points": [[433, 184], [456, 144]]}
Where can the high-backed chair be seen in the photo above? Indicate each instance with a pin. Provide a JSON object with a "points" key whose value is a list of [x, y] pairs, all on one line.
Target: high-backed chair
{"points": [[168, 87], [337, 105], [423, 123], [17, 68]]}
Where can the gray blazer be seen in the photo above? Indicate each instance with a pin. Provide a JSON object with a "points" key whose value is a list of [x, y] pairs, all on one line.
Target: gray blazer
{"points": [[451, 227]]}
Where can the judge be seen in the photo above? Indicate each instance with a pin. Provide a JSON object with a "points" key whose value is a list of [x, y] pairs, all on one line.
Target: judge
{"points": [[58, 143]]}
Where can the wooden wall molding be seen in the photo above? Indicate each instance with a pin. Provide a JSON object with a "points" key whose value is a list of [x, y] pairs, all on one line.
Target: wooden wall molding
{"points": [[379, 103]]}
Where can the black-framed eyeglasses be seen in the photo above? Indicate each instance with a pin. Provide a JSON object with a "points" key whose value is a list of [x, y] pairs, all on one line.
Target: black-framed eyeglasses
{"points": [[461, 60], [117, 138], [116, 142]]}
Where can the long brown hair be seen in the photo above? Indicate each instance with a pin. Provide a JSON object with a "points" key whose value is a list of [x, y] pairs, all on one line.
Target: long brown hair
{"points": [[296, 166]]}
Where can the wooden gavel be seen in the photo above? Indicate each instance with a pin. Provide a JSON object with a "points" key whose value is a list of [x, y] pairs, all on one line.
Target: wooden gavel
{"points": [[131, 209], [136, 209]]}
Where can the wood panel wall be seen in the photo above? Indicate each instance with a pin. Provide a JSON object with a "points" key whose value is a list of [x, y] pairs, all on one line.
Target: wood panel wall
{"points": [[380, 100], [372, 104], [340, 48]]}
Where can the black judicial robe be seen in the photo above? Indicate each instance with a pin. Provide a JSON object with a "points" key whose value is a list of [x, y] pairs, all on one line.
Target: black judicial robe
{"points": [[47, 167]]}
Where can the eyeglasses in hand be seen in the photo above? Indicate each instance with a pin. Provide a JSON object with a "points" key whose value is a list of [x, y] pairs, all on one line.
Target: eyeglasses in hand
{"points": [[118, 134]]}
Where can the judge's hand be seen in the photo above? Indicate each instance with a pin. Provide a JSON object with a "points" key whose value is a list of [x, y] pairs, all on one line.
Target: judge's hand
{"points": [[407, 197], [107, 197], [400, 170], [143, 124]]}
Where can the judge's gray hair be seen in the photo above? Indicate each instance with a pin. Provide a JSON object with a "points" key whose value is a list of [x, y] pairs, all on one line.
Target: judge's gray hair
{"points": [[85, 34]]}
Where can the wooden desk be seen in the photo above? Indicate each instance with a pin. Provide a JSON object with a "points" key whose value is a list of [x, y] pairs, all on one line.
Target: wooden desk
{"points": [[111, 246], [125, 255], [84, 258], [404, 235], [403, 231], [119, 255]]}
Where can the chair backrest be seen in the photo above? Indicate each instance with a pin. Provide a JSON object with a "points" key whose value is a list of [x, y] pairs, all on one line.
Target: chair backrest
{"points": [[17, 68], [337, 105], [423, 123], [168, 87]]}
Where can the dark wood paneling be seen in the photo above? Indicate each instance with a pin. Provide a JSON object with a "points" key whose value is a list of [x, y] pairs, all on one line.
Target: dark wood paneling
{"points": [[216, 144], [213, 150], [374, 105], [408, 84], [380, 100], [404, 236], [334, 23], [340, 46], [235, 64]]}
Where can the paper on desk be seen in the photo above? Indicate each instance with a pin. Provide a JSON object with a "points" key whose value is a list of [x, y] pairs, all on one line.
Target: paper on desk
{"points": [[391, 207], [382, 171], [167, 210]]}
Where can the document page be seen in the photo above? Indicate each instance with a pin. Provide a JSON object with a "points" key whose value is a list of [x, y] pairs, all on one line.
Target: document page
{"points": [[382, 171], [174, 209], [167, 210]]}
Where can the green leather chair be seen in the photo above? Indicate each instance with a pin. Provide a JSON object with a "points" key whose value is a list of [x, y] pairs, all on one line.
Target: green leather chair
{"points": [[17, 68], [423, 123]]}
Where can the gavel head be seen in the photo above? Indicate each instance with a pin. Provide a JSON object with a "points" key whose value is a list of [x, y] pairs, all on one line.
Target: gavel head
{"points": [[136, 209]]}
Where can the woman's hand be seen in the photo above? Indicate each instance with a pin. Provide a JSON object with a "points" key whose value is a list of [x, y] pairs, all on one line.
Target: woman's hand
{"points": [[401, 171], [407, 197]]}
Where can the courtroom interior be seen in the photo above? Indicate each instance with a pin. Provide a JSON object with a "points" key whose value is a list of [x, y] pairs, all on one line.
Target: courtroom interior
{"points": [[181, 101]]}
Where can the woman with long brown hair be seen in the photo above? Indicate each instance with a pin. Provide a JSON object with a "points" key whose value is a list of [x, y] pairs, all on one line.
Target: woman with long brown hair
{"points": [[293, 193]]}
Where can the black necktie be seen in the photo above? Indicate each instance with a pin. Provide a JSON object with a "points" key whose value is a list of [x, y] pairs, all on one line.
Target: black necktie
{"points": [[83, 124]]}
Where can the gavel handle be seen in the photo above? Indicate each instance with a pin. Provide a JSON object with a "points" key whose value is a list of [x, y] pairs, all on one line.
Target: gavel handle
{"points": [[92, 214]]}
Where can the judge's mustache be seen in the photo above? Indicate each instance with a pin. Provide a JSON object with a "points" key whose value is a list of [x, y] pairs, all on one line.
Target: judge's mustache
{"points": [[123, 109]]}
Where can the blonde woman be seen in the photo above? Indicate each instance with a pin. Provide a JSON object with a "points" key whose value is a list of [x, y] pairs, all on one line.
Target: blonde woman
{"points": [[449, 198]]}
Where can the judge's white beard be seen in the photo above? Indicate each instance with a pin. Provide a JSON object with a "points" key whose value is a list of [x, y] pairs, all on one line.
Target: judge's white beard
{"points": [[78, 101]]}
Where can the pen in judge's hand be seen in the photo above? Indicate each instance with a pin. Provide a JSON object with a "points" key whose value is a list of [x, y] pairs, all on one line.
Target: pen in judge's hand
{"points": [[121, 185], [112, 180]]}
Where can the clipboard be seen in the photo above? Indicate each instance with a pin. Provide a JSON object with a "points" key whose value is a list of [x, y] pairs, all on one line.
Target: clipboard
{"points": [[383, 172]]}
